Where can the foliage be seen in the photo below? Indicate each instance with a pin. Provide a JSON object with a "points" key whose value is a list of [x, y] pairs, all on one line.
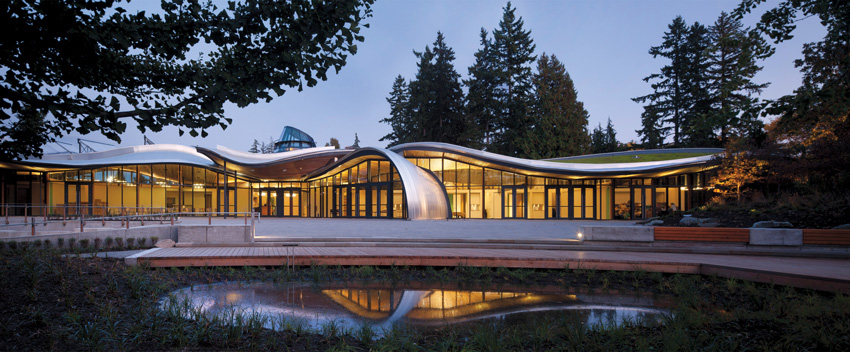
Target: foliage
{"points": [[481, 102], [732, 64], [705, 94], [86, 66], [333, 143], [812, 128], [512, 54], [255, 147], [669, 101], [558, 118], [738, 168], [400, 119], [604, 141]]}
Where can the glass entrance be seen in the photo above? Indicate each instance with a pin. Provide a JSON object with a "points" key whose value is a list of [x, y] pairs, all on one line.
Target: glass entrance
{"points": [[369, 200], [280, 202], [644, 202], [570, 202], [78, 198], [514, 202]]}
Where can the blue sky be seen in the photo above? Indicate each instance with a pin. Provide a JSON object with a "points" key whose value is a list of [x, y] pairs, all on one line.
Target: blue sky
{"points": [[603, 45]]}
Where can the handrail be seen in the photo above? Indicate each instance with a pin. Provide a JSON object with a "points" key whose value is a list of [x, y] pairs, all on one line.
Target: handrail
{"points": [[126, 219]]}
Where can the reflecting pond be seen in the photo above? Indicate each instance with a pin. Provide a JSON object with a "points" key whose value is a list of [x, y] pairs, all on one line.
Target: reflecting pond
{"points": [[350, 305]]}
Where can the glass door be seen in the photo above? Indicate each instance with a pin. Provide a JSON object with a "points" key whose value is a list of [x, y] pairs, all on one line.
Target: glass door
{"points": [[514, 202], [78, 198]]}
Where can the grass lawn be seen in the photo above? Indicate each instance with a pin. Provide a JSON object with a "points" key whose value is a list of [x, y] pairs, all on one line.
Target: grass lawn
{"points": [[632, 159]]}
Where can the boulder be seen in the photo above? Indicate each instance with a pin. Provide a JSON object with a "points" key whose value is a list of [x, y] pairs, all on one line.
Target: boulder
{"points": [[842, 227], [770, 224], [166, 243], [692, 221]]}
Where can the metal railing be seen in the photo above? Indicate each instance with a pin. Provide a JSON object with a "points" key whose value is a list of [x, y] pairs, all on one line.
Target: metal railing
{"points": [[127, 215], [74, 212]]}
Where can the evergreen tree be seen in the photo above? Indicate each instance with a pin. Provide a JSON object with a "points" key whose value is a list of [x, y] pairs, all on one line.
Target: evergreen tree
{"points": [[653, 132], [513, 53], [436, 103], [604, 140], [255, 147], [611, 144], [481, 102], [400, 118], [268, 148], [732, 65], [559, 120], [697, 129], [333, 143], [668, 102]]}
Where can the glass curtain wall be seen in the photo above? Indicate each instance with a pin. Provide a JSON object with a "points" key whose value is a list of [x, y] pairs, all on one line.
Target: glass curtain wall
{"points": [[370, 189]]}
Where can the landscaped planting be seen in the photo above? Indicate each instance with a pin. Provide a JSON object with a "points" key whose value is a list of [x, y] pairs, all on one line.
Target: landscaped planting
{"points": [[49, 302]]}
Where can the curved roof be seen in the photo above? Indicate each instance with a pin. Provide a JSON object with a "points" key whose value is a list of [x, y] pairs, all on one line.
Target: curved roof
{"points": [[551, 168], [426, 198], [140, 154], [286, 166]]}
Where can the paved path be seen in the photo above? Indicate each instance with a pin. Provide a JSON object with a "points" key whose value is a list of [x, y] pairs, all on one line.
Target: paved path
{"points": [[817, 273], [270, 228]]}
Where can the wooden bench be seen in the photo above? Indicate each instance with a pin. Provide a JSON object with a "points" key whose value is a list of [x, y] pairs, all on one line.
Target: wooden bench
{"points": [[702, 234], [826, 236]]}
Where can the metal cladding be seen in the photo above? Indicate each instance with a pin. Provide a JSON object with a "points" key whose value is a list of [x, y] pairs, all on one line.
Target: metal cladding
{"points": [[140, 154], [482, 158], [426, 199]]}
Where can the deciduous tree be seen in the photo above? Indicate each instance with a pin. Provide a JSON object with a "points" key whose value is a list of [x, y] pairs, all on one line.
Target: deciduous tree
{"points": [[88, 66]]}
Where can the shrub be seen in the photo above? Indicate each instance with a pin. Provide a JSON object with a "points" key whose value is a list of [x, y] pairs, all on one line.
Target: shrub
{"points": [[119, 242], [131, 242], [24, 245], [84, 243], [46, 243], [36, 244], [109, 242], [154, 240], [97, 242], [2, 245], [71, 242], [13, 245], [60, 242], [142, 241]]}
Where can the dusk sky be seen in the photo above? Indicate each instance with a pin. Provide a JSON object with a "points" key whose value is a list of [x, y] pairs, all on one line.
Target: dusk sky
{"points": [[603, 45]]}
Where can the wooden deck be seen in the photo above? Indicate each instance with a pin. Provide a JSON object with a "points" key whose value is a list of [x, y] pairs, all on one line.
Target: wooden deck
{"points": [[815, 273]]}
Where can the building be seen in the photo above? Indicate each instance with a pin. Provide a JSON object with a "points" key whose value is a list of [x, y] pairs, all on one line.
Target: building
{"points": [[409, 181]]}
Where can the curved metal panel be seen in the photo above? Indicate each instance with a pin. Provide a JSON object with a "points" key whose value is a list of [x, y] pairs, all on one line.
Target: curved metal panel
{"points": [[239, 157], [425, 195], [140, 154], [551, 167]]}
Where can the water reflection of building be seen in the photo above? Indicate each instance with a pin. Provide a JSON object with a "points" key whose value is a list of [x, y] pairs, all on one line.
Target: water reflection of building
{"points": [[383, 307], [441, 305]]}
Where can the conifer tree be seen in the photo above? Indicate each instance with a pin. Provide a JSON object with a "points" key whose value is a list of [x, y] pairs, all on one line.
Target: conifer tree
{"points": [[481, 104], [436, 103], [668, 102], [399, 119], [732, 65], [513, 53], [255, 147], [697, 129], [558, 120], [604, 140]]}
